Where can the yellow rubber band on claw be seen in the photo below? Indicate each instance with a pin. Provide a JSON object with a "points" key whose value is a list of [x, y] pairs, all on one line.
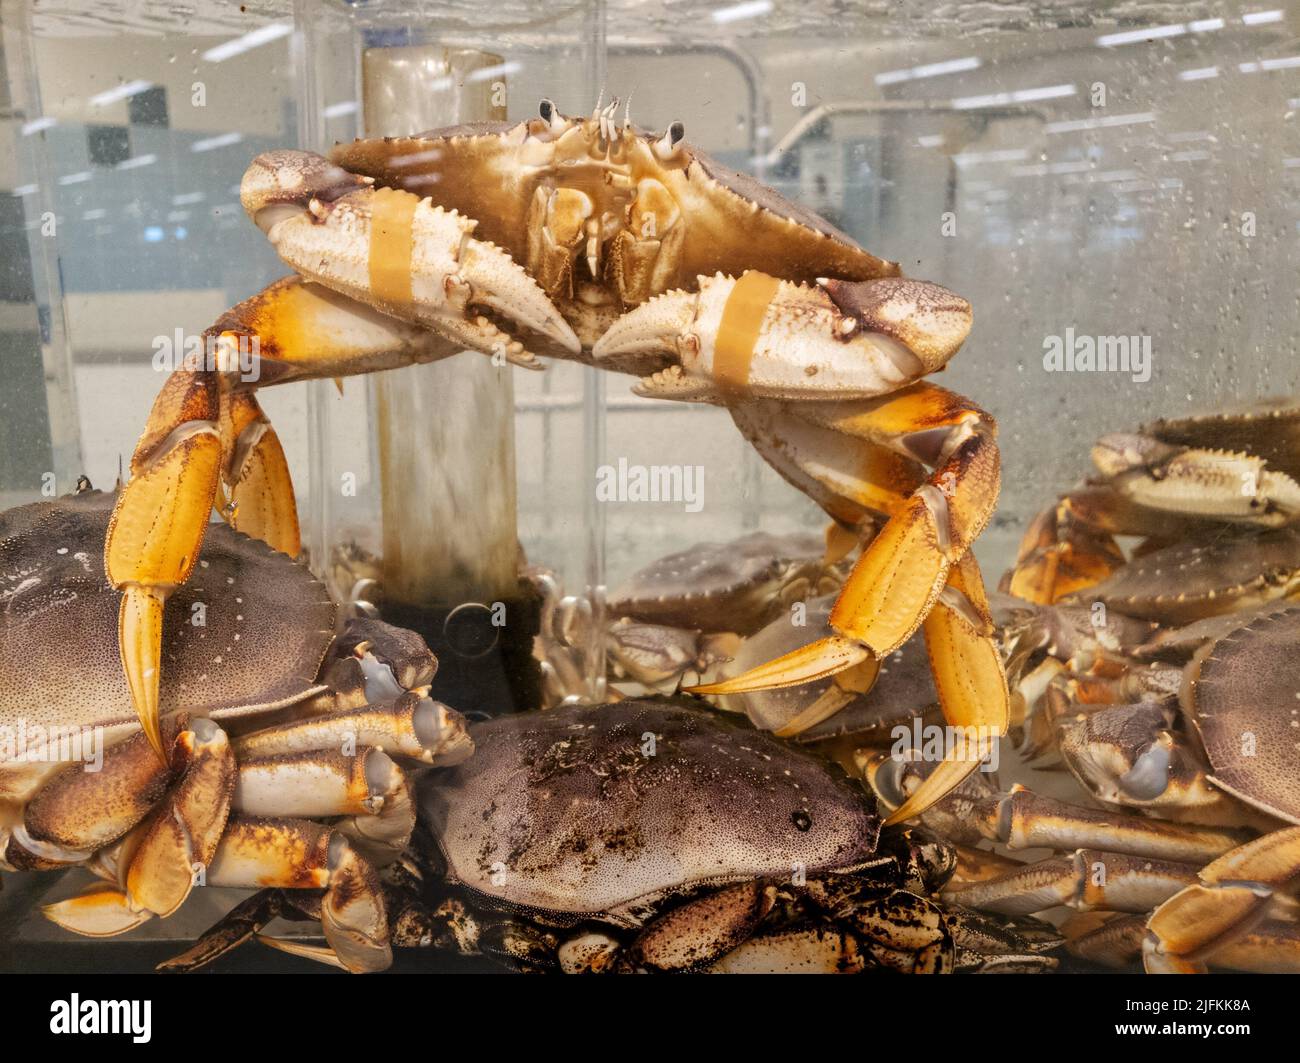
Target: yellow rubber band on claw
{"points": [[392, 245], [742, 320]]}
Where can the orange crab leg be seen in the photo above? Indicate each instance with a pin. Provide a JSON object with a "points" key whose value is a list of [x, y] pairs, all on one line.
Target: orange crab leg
{"points": [[968, 675], [158, 524], [156, 863], [899, 576], [206, 431], [259, 496], [1232, 895], [851, 479], [1061, 554]]}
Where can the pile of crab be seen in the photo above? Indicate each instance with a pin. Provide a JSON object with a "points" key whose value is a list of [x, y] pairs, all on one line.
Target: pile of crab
{"points": [[1146, 626], [288, 747], [636, 836], [1150, 629]]}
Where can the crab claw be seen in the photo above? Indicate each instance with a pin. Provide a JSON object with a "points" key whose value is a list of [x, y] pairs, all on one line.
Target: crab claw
{"points": [[762, 337], [1231, 895], [1194, 482], [392, 250]]}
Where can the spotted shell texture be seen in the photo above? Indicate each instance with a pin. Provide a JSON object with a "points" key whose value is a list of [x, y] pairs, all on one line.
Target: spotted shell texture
{"points": [[1245, 690], [586, 810], [715, 586], [266, 623], [1189, 581]]}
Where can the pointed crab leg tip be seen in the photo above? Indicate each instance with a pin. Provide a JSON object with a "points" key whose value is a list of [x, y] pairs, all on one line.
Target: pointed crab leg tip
{"points": [[319, 953], [140, 639], [946, 776], [815, 661], [564, 335], [103, 910]]}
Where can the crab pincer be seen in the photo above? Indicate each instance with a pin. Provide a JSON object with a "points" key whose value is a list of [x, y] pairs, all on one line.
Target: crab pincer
{"points": [[391, 249]]}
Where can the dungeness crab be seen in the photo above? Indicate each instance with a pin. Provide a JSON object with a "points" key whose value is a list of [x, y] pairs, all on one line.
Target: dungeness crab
{"points": [[1162, 678], [646, 835], [282, 742], [633, 251]]}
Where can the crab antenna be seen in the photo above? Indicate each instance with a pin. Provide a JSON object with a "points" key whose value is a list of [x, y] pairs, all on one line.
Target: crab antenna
{"points": [[627, 112], [599, 100]]}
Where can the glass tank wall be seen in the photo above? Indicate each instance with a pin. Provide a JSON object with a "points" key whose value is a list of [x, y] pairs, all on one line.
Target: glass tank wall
{"points": [[1055, 166], [1117, 177]]}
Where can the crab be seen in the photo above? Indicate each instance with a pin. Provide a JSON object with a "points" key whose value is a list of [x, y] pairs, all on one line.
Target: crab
{"points": [[1188, 479], [690, 610], [1158, 677], [589, 239], [655, 836], [1097, 676], [282, 741], [681, 615], [1188, 896]]}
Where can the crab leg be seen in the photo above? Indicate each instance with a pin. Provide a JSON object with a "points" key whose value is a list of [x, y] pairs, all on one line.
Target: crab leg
{"points": [[242, 922], [411, 726], [745, 340], [900, 575], [158, 524], [299, 854], [1233, 894], [1271, 948], [1022, 819], [159, 862], [1085, 880], [851, 479], [969, 679], [206, 430], [1060, 555], [259, 492], [368, 788], [1026, 820], [317, 784]]}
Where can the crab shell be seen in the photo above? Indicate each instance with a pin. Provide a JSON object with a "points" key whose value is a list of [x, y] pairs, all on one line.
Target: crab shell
{"points": [[246, 634], [1190, 581], [732, 586], [603, 812], [729, 223], [1243, 693]]}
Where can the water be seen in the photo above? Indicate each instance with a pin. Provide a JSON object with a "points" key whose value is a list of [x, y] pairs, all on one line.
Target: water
{"points": [[1079, 173]]}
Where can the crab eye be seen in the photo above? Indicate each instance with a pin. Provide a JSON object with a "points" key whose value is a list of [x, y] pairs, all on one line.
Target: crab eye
{"points": [[666, 146], [546, 109]]}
